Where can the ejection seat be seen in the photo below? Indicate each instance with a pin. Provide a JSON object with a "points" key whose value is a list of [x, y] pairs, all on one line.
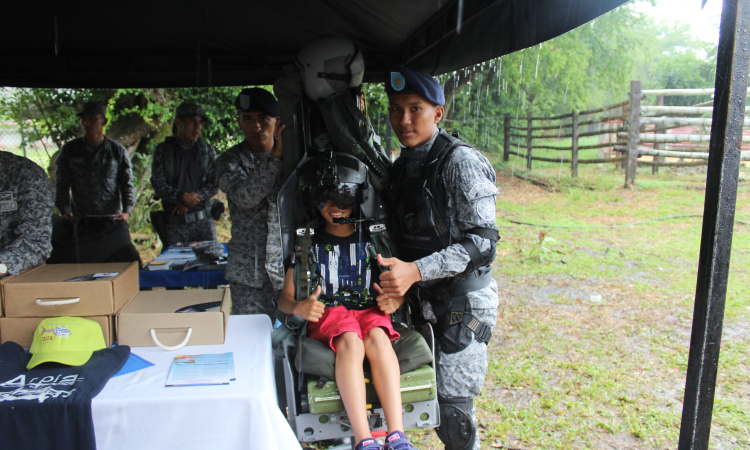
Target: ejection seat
{"points": [[314, 407]]}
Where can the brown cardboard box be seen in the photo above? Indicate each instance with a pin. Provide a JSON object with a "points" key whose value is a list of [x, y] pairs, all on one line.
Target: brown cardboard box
{"points": [[156, 310], [30, 294], [21, 329], [5, 280]]}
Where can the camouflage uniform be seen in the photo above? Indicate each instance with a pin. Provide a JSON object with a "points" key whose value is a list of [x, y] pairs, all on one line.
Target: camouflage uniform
{"points": [[99, 180], [469, 181], [202, 230], [254, 270], [25, 213]]}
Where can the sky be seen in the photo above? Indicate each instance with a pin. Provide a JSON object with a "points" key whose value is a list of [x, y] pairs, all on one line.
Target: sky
{"points": [[704, 23]]}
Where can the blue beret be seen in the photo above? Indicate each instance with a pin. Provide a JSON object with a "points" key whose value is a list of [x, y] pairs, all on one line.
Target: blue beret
{"points": [[405, 81], [257, 99]]}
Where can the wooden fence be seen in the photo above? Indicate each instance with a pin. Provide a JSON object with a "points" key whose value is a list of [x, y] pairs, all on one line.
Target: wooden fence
{"points": [[605, 122], [627, 131]]}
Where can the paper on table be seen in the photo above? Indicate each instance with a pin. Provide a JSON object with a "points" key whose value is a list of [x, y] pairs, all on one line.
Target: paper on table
{"points": [[197, 370]]}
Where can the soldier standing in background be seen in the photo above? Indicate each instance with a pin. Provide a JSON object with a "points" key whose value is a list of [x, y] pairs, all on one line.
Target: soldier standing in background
{"points": [[96, 169], [443, 194], [98, 173], [25, 214], [250, 175], [182, 174]]}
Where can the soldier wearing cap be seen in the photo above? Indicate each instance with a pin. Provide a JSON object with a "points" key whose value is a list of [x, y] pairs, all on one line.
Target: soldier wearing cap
{"points": [[443, 197], [96, 170], [183, 176], [26, 202], [250, 175]]}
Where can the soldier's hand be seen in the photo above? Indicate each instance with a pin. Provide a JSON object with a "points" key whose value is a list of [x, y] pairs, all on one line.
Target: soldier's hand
{"points": [[399, 278], [310, 309], [179, 210], [388, 305], [121, 216], [278, 150], [191, 199], [69, 214]]}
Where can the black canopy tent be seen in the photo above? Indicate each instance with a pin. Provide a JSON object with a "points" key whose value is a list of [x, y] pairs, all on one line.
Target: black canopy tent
{"points": [[141, 43]]}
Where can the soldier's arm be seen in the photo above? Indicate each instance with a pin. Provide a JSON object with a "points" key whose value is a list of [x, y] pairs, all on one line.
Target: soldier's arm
{"points": [[159, 179], [62, 182], [125, 182], [470, 182], [210, 188], [32, 245], [245, 189]]}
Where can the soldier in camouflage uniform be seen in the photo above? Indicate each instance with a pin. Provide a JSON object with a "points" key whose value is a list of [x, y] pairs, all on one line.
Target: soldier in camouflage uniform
{"points": [[182, 174], [25, 214], [446, 230], [96, 169], [250, 175]]}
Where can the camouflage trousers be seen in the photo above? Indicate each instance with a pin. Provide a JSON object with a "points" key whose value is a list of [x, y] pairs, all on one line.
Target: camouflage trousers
{"points": [[462, 374], [249, 300], [202, 230]]}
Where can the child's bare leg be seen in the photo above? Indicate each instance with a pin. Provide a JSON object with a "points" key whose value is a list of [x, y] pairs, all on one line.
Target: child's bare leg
{"points": [[386, 376], [350, 354]]}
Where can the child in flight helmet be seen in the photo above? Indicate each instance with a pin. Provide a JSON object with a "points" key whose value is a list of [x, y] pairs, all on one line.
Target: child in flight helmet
{"points": [[348, 310]]}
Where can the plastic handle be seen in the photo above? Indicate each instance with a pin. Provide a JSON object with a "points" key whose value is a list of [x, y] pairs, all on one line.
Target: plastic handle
{"points": [[68, 301], [174, 347]]}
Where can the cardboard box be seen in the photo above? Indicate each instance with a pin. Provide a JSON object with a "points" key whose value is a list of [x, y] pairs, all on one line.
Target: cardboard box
{"points": [[157, 310], [4, 280], [21, 329], [38, 292]]}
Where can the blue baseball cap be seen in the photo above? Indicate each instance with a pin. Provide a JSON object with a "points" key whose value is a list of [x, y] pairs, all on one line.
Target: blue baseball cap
{"points": [[257, 99], [407, 81]]}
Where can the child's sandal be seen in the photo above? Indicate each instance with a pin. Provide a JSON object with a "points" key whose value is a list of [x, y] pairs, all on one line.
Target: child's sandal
{"points": [[369, 444], [397, 441]]}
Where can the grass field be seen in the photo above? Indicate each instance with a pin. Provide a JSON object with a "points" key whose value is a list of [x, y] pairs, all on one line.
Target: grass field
{"points": [[594, 323]]}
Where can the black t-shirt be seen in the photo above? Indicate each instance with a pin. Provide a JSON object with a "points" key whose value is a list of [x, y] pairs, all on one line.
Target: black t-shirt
{"points": [[347, 269], [49, 406]]}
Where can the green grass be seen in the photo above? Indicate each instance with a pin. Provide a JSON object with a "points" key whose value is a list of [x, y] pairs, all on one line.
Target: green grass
{"points": [[612, 371]]}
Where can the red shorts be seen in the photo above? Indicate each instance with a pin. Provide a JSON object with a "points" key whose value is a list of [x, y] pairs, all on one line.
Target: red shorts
{"points": [[338, 320]]}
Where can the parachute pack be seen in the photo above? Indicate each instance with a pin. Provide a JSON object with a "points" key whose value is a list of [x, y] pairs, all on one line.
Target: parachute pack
{"points": [[324, 109]]}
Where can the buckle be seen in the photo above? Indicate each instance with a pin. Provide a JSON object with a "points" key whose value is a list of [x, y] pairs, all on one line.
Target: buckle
{"points": [[482, 331]]}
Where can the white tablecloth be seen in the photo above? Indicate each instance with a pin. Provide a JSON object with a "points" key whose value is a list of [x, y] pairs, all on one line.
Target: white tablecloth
{"points": [[137, 412]]}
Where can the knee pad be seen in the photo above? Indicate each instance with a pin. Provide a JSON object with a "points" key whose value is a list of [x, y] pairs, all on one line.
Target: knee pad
{"points": [[456, 430]]}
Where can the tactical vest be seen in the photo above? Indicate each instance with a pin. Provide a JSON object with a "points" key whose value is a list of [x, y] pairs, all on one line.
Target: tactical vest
{"points": [[422, 228], [170, 160]]}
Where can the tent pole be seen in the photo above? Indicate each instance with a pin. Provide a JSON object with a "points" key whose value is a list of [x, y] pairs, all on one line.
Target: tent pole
{"points": [[718, 223]]}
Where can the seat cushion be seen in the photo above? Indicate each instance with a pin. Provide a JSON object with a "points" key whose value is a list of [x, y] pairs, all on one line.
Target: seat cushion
{"points": [[316, 358], [416, 386]]}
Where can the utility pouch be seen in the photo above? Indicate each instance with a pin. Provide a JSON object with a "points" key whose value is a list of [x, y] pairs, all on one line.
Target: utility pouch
{"points": [[217, 209], [453, 338]]}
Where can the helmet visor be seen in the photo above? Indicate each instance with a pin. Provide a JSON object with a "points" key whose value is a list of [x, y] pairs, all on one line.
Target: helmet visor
{"points": [[343, 195]]}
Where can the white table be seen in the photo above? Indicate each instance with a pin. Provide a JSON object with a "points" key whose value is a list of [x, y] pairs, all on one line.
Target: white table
{"points": [[137, 412]]}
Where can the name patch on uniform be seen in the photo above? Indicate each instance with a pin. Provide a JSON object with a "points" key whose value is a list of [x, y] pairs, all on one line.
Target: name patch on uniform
{"points": [[7, 202]]}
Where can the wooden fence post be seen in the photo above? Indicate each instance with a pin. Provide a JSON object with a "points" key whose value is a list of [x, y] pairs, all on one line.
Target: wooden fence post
{"points": [[657, 146], [528, 140], [633, 132], [506, 138], [574, 158]]}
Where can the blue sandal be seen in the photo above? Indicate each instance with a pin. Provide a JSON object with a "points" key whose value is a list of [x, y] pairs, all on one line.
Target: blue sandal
{"points": [[397, 441], [368, 444]]}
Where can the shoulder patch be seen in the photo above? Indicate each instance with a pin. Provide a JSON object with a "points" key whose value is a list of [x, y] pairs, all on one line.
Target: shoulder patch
{"points": [[486, 209], [483, 189]]}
